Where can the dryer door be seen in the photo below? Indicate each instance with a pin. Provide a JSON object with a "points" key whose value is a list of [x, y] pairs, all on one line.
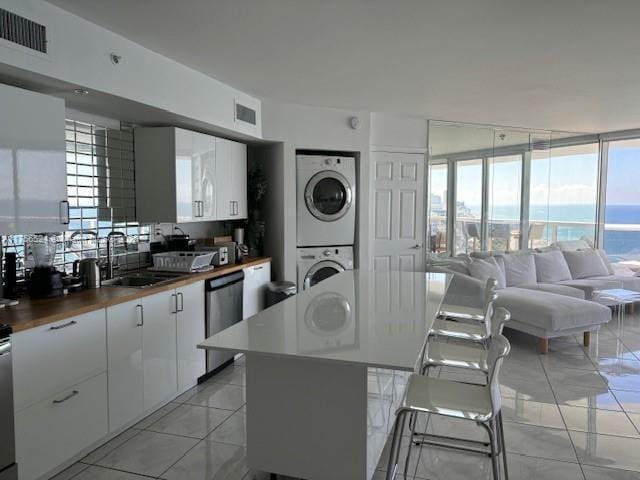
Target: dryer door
{"points": [[321, 271], [328, 196]]}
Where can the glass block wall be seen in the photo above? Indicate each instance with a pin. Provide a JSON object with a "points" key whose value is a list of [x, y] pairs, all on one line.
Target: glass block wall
{"points": [[101, 190]]}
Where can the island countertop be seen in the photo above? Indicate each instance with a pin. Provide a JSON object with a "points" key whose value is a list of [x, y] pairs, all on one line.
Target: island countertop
{"points": [[30, 313], [374, 319]]}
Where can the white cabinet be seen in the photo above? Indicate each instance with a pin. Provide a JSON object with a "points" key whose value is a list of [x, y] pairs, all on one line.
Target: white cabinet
{"points": [[256, 278], [231, 179], [142, 356], [33, 179], [190, 324]]}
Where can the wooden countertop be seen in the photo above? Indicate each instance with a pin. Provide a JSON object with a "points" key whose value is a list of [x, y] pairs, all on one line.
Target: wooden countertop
{"points": [[33, 313]]}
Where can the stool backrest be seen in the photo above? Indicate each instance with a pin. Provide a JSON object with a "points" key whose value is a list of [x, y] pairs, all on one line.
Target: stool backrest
{"points": [[498, 349], [490, 297]]}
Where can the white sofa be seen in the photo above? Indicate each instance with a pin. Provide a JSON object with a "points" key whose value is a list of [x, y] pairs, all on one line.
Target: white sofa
{"points": [[547, 292]]}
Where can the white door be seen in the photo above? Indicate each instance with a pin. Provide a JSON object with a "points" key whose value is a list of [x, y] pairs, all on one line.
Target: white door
{"points": [[239, 179], [204, 175], [124, 363], [187, 208], [254, 287], [224, 180], [159, 348], [190, 321], [398, 211]]}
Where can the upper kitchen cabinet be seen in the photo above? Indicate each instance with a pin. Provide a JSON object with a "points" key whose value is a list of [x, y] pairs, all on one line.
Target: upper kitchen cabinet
{"points": [[175, 171], [231, 179], [184, 176], [33, 183]]}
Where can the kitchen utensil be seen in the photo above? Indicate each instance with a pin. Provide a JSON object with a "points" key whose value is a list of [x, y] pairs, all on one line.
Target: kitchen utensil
{"points": [[89, 272]]}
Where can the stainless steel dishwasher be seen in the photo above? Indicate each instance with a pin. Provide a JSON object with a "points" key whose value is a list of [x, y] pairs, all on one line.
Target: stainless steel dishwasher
{"points": [[8, 468], [223, 309]]}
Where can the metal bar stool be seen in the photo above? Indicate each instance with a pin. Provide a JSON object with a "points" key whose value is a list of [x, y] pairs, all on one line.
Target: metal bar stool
{"points": [[464, 313], [477, 403]]}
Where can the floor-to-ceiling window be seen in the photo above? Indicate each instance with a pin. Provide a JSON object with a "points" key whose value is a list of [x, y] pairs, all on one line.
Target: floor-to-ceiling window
{"points": [[468, 204], [438, 218], [504, 185], [622, 209]]}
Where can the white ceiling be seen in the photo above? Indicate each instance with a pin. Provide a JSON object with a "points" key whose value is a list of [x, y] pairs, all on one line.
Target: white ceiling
{"points": [[568, 65]]}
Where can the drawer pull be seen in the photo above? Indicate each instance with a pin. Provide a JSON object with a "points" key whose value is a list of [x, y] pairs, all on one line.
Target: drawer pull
{"points": [[140, 309], [64, 325], [181, 302], [258, 268], [64, 399]]}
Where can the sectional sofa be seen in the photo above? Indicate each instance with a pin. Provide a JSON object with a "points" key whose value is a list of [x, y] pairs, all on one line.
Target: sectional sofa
{"points": [[549, 293]]}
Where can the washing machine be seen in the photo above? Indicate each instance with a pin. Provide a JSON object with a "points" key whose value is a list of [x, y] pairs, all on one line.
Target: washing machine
{"points": [[319, 263], [326, 200]]}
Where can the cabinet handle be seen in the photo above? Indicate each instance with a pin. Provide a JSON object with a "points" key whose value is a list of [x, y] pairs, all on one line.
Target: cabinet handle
{"points": [[258, 268], [64, 325], [201, 203], [175, 303], [65, 218], [67, 397], [181, 302], [231, 208], [140, 315], [236, 207]]}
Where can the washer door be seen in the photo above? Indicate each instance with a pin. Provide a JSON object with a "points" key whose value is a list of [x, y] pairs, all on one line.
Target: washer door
{"points": [[321, 271], [328, 196]]}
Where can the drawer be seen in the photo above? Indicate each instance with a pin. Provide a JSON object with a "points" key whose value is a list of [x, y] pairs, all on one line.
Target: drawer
{"points": [[61, 426], [51, 358]]}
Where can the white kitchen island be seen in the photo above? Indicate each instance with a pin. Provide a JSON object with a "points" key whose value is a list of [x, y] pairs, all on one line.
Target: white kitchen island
{"points": [[326, 367]]}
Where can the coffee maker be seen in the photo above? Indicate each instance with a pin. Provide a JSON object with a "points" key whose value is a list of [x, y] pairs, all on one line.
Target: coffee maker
{"points": [[242, 250], [44, 280]]}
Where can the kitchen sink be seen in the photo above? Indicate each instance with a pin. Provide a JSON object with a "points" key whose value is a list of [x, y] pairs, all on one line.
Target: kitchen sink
{"points": [[139, 280]]}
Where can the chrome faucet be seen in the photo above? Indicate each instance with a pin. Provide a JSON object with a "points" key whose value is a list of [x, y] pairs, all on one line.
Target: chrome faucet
{"points": [[110, 263]]}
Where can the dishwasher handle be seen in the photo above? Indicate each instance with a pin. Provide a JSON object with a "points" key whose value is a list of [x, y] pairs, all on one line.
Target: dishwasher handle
{"points": [[222, 282]]}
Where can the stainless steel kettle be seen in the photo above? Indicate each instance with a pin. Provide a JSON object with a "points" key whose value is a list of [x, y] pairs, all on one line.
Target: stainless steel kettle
{"points": [[89, 272]]}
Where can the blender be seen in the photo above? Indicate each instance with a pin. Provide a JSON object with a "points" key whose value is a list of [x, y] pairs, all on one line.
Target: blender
{"points": [[44, 281]]}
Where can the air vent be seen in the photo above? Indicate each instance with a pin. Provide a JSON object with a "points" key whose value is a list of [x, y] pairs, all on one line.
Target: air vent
{"points": [[539, 142], [22, 31], [245, 114]]}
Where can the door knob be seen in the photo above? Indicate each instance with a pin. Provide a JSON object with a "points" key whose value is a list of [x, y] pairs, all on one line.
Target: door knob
{"points": [[417, 246]]}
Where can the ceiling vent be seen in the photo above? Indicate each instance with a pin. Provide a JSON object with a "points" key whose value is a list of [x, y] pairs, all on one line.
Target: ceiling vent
{"points": [[22, 31], [245, 114]]}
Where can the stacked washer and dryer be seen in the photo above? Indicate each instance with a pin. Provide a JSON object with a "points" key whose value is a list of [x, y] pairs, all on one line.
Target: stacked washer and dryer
{"points": [[326, 216]]}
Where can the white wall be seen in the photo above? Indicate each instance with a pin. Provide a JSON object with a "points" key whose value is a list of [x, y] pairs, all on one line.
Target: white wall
{"points": [[398, 133], [79, 53], [303, 127]]}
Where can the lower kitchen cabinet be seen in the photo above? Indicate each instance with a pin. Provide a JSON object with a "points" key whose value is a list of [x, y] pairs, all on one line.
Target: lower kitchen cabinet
{"points": [[55, 429], [190, 330], [141, 352], [256, 278]]}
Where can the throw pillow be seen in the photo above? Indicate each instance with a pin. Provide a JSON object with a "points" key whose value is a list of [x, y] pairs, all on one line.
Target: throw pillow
{"points": [[551, 267], [485, 269], [520, 269], [606, 261], [585, 264]]}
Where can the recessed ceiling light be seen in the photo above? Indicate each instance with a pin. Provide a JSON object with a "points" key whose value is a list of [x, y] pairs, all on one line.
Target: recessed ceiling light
{"points": [[81, 91]]}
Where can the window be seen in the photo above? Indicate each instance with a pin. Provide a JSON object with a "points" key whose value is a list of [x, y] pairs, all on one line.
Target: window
{"points": [[622, 209], [438, 180], [468, 212], [504, 193]]}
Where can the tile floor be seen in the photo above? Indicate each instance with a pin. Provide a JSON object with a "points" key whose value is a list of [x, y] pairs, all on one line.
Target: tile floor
{"points": [[571, 414]]}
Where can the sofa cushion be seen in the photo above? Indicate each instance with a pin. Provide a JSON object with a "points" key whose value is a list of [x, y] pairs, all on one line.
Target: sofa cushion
{"points": [[571, 245], [520, 269], [557, 289], [551, 267], [606, 261], [551, 312], [585, 264], [588, 285], [485, 269], [628, 282]]}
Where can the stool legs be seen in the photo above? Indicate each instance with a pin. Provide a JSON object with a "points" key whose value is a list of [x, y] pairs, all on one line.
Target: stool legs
{"points": [[395, 445]]}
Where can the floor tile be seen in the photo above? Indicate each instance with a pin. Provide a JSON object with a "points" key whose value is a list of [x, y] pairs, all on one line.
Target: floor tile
{"points": [[155, 416], [635, 419], [539, 391], [541, 442], [233, 374], [607, 451], [232, 430], [208, 461], [71, 472], [587, 397], [219, 395], [623, 375], [528, 468], [630, 401], [599, 473], [572, 376], [191, 421], [183, 397], [598, 421], [111, 445], [148, 453], [560, 360], [99, 473], [531, 412]]}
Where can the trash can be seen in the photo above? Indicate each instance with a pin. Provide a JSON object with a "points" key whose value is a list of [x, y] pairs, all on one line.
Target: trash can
{"points": [[279, 291]]}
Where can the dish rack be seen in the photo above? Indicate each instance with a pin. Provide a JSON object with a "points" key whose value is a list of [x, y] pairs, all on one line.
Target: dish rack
{"points": [[184, 262]]}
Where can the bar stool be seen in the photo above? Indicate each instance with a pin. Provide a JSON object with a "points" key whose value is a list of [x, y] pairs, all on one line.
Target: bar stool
{"points": [[477, 403], [464, 313]]}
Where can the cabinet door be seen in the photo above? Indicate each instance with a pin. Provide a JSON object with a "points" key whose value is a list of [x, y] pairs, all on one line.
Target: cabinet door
{"points": [[239, 179], [33, 182], [224, 180], [204, 177], [159, 348], [190, 330], [124, 364], [253, 295], [187, 207]]}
